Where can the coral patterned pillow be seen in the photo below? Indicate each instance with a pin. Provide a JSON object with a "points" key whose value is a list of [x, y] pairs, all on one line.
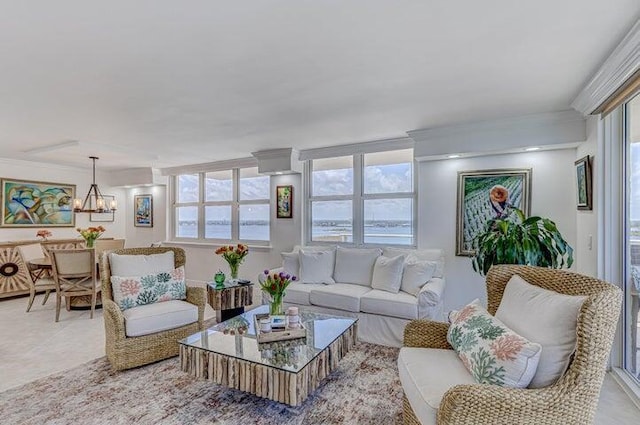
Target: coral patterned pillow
{"points": [[130, 292], [492, 352]]}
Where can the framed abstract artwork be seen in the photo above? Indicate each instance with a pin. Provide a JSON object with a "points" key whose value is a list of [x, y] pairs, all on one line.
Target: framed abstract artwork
{"points": [[28, 203], [143, 210], [487, 194], [584, 186], [284, 197]]}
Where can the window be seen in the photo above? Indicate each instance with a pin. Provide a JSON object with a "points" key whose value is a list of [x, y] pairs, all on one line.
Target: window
{"points": [[232, 205], [362, 199]]}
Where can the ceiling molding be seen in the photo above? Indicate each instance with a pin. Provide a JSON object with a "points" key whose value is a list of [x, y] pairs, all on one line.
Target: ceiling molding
{"points": [[510, 134], [612, 74], [211, 166], [278, 161], [356, 148]]}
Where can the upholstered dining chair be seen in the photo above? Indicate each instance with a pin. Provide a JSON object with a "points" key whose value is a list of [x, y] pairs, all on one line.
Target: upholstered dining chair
{"points": [[572, 399], [74, 273], [38, 279], [102, 245], [126, 351]]}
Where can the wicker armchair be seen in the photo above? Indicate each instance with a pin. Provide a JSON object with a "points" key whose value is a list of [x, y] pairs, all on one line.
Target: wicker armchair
{"points": [[573, 399], [127, 352]]}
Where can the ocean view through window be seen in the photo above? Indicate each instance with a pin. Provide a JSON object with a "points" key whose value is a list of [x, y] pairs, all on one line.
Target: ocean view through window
{"points": [[363, 199], [233, 206]]}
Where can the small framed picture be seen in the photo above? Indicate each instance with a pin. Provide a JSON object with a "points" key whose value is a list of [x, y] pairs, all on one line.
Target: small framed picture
{"points": [[143, 210], [284, 197], [584, 186]]}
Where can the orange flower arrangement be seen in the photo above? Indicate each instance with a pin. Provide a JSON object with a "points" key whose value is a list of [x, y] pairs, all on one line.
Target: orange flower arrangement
{"points": [[233, 256], [44, 234], [90, 234]]}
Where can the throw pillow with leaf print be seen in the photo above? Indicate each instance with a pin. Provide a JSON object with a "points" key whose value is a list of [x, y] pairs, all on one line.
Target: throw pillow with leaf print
{"points": [[490, 351], [129, 292]]}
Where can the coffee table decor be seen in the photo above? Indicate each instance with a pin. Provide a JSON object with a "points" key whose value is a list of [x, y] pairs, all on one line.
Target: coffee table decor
{"points": [[273, 286], [287, 371], [275, 333]]}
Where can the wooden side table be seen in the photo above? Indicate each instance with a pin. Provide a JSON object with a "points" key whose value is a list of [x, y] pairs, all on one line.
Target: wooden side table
{"points": [[230, 300]]}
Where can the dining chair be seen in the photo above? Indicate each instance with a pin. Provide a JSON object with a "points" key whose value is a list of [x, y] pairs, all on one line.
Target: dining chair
{"points": [[37, 277], [74, 273], [103, 245]]}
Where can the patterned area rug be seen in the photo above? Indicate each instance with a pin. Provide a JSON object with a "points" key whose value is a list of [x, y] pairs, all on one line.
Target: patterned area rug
{"points": [[365, 389]]}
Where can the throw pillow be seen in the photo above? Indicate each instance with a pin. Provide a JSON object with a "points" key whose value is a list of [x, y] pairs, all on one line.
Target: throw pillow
{"points": [[493, 353], [544, 316], [291, 263], [415, 274], [387, 274], [130, 292], [436, 255], [355, 265], [140, 265], [316, 266]]}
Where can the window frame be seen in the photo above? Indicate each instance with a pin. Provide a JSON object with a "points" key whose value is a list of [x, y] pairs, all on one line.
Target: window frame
{"points": [[235, 203], [358, 199]]}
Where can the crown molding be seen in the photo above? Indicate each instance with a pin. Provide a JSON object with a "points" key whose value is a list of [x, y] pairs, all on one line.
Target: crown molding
{"points": [[621, 64], [210, 166], [356, 148], [504, 135]]}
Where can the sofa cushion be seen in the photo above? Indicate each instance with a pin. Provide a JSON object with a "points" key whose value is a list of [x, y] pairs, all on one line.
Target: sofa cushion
{"points": [[436, 255], [415, 274], [387, 273], [493, 353], [140, 265], [152, 318], [426, 374], [316, 266], [298, 293], [400, 305], [546, 317], [291, 263], [341, 296], [355, 265], [132, 291]]}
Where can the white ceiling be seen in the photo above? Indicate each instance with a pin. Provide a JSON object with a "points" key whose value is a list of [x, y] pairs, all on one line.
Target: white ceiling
{"points": [[163, 83]]}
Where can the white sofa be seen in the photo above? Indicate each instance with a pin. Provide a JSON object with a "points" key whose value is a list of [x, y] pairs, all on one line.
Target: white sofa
{"points": [[382, 315]]}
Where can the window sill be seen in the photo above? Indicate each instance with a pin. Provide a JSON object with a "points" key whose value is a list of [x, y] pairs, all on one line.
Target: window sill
{"points": [[216, 245]]}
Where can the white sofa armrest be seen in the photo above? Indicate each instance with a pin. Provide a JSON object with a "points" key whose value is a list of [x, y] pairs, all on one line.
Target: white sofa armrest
{"points": [[430, 296]]}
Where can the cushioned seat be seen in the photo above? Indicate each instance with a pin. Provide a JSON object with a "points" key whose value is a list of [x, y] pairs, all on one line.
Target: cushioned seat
{"points": [[157, 317], [298, 293], [426, 374], [341, 296], [401, 305]]}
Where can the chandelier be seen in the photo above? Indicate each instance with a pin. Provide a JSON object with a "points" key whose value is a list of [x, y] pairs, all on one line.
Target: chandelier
{"points": [[94, 202]]}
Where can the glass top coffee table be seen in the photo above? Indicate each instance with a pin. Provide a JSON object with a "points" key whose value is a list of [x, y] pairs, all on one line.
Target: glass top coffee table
{"points": [[283, 371]]}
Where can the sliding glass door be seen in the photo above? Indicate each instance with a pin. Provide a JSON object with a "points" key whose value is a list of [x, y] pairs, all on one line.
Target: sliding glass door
{"points": [[632, 239]]}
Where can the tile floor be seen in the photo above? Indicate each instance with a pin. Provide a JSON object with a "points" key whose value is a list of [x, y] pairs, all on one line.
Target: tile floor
{"points": [[33, 346]]}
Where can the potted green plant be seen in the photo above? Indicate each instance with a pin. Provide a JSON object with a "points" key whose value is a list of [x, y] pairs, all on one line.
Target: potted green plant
{"points": [[510, 238]]}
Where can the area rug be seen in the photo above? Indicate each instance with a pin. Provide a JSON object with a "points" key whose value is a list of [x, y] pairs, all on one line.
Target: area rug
{"points": [[364, 389]]}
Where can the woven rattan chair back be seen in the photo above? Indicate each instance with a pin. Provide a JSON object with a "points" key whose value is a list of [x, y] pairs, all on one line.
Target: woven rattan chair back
{"points": [[179, 259], [595, 329]]}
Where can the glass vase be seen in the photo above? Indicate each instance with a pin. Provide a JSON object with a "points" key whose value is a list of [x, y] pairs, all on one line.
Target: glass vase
{"points": [[90, 242], [234, 271], [275, 305]]}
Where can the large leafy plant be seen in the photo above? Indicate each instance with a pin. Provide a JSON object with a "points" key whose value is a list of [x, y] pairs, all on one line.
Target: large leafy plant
{"points": [[510, 238]]}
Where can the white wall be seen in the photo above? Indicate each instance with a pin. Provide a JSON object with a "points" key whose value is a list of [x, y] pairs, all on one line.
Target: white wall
{"points": [[145, 236], [202, 263], [27, 170], [553, 196], [587, 221]]}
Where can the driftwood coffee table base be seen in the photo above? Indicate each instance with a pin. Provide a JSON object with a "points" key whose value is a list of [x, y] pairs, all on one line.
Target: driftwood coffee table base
{"points": [[287, 387]]}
